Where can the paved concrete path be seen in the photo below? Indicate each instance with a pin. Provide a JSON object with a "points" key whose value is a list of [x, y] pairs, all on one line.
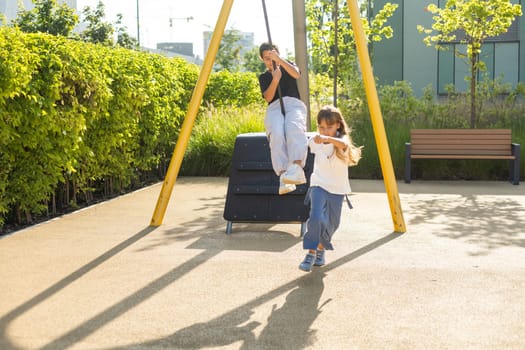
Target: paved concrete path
{"points": [[101, 278]]}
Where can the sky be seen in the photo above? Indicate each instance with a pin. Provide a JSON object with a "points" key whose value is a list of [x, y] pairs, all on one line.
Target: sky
{"points": [[154, 20]]}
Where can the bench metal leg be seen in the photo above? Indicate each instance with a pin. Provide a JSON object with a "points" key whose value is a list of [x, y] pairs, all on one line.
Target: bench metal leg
{"points": [[229, 227], [515, 164], [408, 165]]}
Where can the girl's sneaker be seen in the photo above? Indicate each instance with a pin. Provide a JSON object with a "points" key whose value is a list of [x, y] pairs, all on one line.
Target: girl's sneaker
{"points": [[319, 258], [308, 262]]}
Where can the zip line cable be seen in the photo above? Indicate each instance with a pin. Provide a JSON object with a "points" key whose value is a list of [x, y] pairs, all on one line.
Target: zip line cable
{"points": [[274, 64]]}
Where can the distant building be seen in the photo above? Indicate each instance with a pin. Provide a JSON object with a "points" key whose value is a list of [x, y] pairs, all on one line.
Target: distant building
{"points": [[177, 49], [180, 48], [190, 59], [246, 42]]}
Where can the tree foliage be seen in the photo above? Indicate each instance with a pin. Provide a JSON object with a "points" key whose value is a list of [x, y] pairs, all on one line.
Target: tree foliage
{"points": [[229, 54], [337, 55], [253, 62], [470, 22], [47, 17], [123, 38], [98, 31], [237, 89], [102, 32]]}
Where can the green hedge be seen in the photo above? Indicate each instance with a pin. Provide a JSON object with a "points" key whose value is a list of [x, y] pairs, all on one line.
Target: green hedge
{"points": [[78, 120]]}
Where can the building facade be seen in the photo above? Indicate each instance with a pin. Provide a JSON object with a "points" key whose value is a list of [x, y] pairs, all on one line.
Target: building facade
{"points": [[177, 49], [246, 41], [406, 57]]}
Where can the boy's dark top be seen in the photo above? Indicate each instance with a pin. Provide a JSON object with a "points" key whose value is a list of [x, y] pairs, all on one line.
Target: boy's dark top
{"points": [[287, 83]]}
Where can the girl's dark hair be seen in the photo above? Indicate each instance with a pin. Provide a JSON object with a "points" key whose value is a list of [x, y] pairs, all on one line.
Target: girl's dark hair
{"points": [[331, 115], [267, 47]]}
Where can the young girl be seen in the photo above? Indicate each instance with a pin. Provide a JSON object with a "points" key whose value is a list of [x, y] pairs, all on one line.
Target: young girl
{"points": [[286, 131], [334, 152]]}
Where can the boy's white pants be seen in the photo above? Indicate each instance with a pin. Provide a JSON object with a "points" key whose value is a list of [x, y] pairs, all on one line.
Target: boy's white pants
{"points": [[286, 134]]}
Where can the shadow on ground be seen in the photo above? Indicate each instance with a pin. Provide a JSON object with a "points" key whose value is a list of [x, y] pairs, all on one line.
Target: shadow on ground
{"points": [[208, 231], [288, 327], [62, 284], [486, 222]]}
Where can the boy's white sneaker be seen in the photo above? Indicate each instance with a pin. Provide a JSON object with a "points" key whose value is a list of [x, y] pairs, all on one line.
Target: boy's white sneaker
{"points": [[294, 175], [285, 188]]}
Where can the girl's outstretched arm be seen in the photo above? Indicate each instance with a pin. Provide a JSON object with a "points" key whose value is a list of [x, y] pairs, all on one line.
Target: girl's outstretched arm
{"points": [[341, 143]]}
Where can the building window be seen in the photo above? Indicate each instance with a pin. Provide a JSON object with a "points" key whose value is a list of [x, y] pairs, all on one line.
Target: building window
{"points": [[501, 60], [500, 55]]}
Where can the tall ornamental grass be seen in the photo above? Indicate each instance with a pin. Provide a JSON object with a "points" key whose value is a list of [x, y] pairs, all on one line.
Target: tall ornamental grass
{"points": [[211, 144]]}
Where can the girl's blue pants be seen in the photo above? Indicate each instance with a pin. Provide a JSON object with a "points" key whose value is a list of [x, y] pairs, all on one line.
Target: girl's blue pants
{"points": [[325, 216]]}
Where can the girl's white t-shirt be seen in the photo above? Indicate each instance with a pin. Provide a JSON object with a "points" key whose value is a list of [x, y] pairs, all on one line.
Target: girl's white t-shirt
{"points": [[330, 172]]}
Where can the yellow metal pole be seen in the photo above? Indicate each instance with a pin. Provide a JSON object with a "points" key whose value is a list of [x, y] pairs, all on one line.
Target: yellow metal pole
{"points": [[189, 120], [377, 119]]}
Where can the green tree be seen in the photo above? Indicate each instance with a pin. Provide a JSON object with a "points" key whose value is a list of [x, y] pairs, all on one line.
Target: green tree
{"points": [[332, 45], [229, 54], [47, 17], [123, 38], [470, 22], [97, 31], [252, 61]]}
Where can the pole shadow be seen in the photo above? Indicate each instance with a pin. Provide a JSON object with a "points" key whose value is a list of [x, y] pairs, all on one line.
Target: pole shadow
{"points": [[93, 324], [290, 324], [6, 319]]}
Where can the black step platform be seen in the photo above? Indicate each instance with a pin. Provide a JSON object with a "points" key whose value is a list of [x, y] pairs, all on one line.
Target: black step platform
{"points": [[253, 188]]}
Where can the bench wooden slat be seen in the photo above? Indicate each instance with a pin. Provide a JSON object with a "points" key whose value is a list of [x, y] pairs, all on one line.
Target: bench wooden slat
{"points": [[463, 148], [461, 131], [460, 143], [462, 156], [484, 145], [459, 139], [466, 149], [457, 153]]}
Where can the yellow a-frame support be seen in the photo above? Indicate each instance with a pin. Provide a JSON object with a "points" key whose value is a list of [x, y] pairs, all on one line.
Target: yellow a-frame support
{"points": [[373, 102], [189, 120], [377, 119]]}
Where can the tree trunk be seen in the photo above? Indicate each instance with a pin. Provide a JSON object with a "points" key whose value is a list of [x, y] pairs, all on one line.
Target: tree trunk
{"points": [[473, 81], [66, 200], [74, 188], [53, 205], [336, 48]]}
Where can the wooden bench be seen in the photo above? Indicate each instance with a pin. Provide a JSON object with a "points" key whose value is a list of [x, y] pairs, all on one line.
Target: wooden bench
{"points": [[463, 144]]}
